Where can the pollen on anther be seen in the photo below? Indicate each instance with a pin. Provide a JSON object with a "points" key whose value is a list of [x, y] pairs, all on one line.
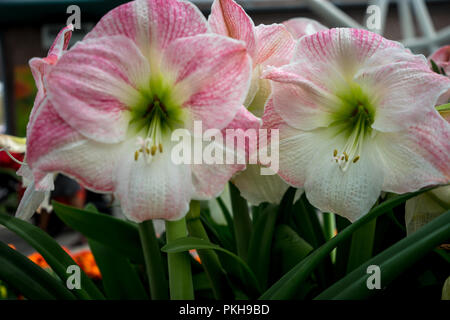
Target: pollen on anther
{"points": [[346, 156], [136, 155], [335, 153], [160, 148], [356, 159], [153, 150]]}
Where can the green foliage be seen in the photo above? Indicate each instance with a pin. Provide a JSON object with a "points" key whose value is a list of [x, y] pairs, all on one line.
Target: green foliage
{"points": [[284, 253]]}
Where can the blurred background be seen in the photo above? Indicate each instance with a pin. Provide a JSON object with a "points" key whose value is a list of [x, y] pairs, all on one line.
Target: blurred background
{"points": [[28, 28]]}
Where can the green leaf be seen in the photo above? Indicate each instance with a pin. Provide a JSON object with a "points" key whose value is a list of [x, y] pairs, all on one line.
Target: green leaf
{"points": [[154, 262], [122, 236], [361, 246], [392, 261], [53, 254], [286, 287], [226, 213], [242, 221], [309, 228], [185, 244], [219, 234], [443, 107], [120, 279], [434, 66], [343, 249], [307, 223], [286, 204], [214, 271], [261, 243], [28, 278]]}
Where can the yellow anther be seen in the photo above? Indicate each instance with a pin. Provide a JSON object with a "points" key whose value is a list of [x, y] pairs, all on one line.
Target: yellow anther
{"points": [[335, 153], [136, 155], [153, 150], [160, 148], [346, 156], [355, 159]]}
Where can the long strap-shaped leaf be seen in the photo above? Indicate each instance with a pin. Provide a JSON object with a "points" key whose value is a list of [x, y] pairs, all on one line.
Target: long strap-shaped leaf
{"points": [[120, 279], [392, 261], [188, 243], [53, 254], [286, 287], [119, 235], [29, 279]]}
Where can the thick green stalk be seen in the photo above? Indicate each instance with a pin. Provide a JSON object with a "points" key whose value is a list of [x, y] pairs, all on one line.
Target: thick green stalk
{"points": [[329, 227], [153, 261], [210, 261], [242, 222], [362, 245], [180, 276]]}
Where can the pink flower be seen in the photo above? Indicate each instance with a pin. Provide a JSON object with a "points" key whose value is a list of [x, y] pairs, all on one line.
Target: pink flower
{"points": [[113, 100], [442, 58], [356, 116], [300, 27]]}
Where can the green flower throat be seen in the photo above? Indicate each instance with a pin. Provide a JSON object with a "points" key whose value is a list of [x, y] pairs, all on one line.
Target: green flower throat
{"points": [[354, 117], [156, 114]]}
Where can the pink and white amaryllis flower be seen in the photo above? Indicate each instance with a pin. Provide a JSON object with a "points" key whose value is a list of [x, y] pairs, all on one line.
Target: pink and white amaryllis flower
{"points": [[268, 45], [300, 27], [146, 69], [40, 67], [357, 117], [442, 58]]}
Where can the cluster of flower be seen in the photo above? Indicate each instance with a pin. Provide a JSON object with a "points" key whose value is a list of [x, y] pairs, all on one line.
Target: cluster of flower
{"points": [[355, 112]]}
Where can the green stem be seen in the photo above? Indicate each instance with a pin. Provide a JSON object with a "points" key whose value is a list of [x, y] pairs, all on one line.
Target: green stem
{"points": [[153, 261], [242, 222], [362, 245], [210, 261], [329, 226], [180, 276]]}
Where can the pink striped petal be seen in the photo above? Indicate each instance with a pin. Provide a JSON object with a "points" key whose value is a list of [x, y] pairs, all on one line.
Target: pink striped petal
{"points": [[300, 27], [417, 157], [212, 77], [405, 91], [41, 66], [299, 97], [60, 44], [274, 45], [54, 146], [340, 50], [159, 190], [152, 24], [229, 19], [95, 83], [210, 179]]}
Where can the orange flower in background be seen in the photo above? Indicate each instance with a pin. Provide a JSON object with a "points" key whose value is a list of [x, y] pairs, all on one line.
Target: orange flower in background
{"points": [[38, 259], [84, 259]]}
